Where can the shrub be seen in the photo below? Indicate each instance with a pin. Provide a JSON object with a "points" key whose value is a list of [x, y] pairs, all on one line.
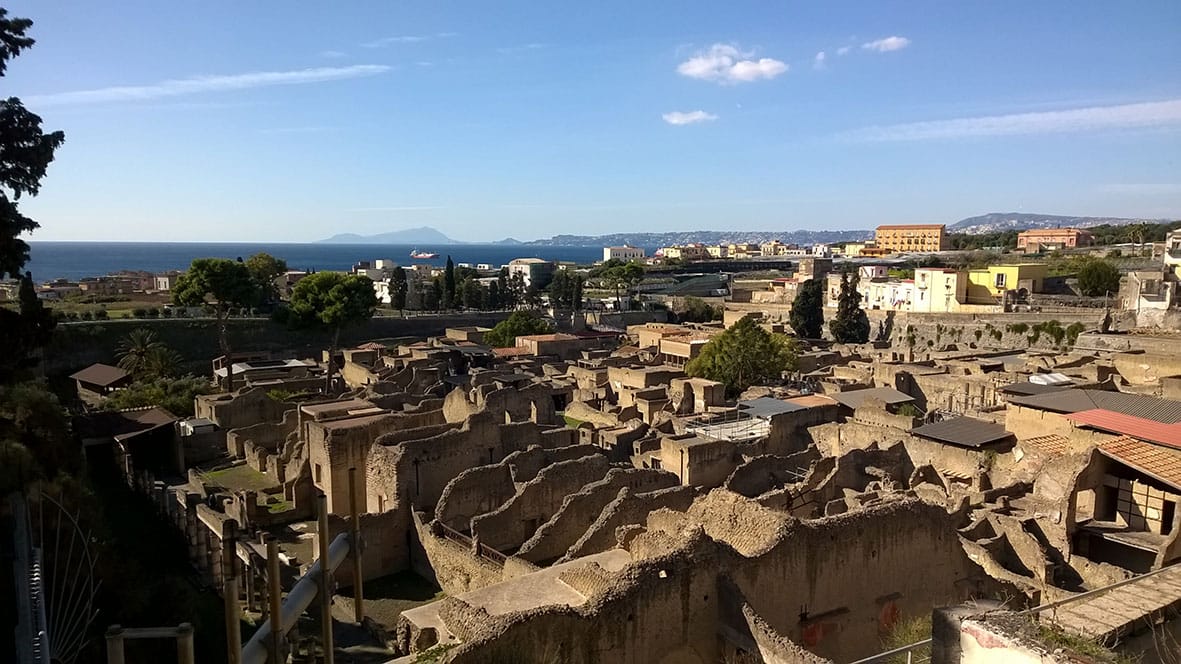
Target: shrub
{"points": [[139, 312], [166, 312], [101, 314], [85, 315], [153, 312]]}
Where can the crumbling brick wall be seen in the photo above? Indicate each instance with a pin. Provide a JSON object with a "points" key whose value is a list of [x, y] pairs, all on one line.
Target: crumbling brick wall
{"points": [[474, 492]]}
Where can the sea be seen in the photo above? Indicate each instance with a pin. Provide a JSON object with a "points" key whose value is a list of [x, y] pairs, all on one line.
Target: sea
{"points": [[75, 260]]}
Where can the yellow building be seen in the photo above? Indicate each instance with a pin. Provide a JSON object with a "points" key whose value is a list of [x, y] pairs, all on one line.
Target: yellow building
{"points": [[911, 238], [988, 284]]}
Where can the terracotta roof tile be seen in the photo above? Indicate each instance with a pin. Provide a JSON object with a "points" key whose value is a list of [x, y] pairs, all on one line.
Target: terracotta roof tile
{"points": [[1129, 425], [1051, 444], [1162, 463]]}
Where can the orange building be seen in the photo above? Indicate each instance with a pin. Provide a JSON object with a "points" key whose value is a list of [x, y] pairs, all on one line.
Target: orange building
{"points": [[1034, 241], [909, 238]]}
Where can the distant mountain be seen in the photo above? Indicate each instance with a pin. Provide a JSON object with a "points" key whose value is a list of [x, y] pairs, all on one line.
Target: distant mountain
{"points": [[509, 241], [1020, 221], [705, 237], [424, 235]]}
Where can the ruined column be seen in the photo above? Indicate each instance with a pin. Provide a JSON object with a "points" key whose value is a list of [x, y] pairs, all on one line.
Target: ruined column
{"points": [[355, 549], [229, 555], [325, 580], [274, 601], [185, 653]]}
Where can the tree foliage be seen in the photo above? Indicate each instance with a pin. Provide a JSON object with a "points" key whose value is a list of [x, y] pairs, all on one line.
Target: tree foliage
{"points": [[697, 310], [850, 325], [449, 300], [25, 153], [398, 288], [520, 323], [745, 355], [145, 357], [807, 310], [1097, 277], [175, 395], [332, 300], [264, 269], [220, 283], [565, 291]]}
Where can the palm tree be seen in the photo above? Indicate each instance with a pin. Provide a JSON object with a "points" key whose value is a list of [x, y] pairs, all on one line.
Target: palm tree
{"points": [[136, 348], [162, 362], [1135, 233]]}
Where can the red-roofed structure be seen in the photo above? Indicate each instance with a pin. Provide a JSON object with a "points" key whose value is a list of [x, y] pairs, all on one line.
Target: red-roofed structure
{"points": [[1129, 425]]}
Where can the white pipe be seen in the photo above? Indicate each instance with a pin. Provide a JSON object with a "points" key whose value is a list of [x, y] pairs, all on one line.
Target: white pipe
{"points": [[297, 601]]}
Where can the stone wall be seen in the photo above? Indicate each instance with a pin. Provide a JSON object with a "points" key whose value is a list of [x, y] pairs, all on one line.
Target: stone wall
{"points": [[626, 509], [507, 527], [767, 472], [580, 510], [474, 492]]}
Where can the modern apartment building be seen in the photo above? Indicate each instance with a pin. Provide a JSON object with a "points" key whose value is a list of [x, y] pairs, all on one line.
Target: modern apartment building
{"points": [[624, 253]]}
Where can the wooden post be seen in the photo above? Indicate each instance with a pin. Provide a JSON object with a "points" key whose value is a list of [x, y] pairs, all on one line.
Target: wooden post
{"points": [[355, 550], [114, 644], [325, 581], [185, 653], [275, 600], [229, 578]]}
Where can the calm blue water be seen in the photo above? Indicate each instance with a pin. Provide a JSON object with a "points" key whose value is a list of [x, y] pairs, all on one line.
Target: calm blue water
{"points": [[74, 260]]}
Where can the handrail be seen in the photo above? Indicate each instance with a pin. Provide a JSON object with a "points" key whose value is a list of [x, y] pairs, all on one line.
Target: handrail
{"points": [[1029, 612]]}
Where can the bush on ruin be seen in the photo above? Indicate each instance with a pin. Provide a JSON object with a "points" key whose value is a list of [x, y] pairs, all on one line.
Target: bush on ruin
{"points": [[745, 355]]}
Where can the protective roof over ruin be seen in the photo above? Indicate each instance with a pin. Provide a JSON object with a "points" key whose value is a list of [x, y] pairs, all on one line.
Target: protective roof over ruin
{"points": [[1074, 401], [1161, 463], [889, 395], [102, 375], [768, 407], [963, 432], [1112, 422], [1025, 388]]}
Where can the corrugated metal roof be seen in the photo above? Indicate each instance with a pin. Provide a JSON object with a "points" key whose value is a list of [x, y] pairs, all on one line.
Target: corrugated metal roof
{"points": [[767, 407], [1167, 411], [1161, 463], [854, 398], [963, 431], [1029, 389], [100, 374], [1128, 425]]}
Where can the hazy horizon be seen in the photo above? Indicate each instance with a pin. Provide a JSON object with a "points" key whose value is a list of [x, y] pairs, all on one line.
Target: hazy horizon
{"points": [[255, 123]]}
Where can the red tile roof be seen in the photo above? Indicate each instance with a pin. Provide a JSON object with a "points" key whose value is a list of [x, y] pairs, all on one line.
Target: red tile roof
{"points": [[1129, 425], [1162, 463]]}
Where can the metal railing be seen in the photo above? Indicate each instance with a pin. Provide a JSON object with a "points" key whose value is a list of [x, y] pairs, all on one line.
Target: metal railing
{"points": [[908, 649]]}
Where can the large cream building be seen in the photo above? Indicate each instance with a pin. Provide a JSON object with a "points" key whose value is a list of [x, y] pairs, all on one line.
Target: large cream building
{"points": [[912, 238]]}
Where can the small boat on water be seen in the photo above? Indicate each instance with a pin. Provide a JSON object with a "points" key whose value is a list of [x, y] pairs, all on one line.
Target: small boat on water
{"points": [[422, 254]]}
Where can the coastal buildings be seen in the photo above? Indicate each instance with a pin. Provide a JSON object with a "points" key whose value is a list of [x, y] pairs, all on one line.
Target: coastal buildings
{"points": [[1049, 239], [624, 253], [688, 252], [912, 238], [535, 272]]}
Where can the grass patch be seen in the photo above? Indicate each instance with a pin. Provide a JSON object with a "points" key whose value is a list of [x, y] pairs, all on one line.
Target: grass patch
{"points": [[240, 477], [906, 632], [433, 654], [572, 422], [1054, 637]]}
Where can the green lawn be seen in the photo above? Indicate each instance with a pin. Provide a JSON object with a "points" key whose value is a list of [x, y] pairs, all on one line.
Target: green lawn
{"points": [[240, 477]]}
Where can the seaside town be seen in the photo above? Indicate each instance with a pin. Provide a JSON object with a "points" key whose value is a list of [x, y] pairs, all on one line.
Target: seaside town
{"points": [[609, 462], [943, 443]]}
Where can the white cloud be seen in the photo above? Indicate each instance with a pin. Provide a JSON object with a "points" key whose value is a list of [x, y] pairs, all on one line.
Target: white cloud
{"points": [[723, 63], [691, 117], [887, 44], [818, 61], [843, 50], [1095, 118], [406, 39], [200, 84]]}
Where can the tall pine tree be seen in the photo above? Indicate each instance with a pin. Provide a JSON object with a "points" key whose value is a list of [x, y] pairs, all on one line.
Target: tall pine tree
{"points": [[851, 324], [807, 310]]}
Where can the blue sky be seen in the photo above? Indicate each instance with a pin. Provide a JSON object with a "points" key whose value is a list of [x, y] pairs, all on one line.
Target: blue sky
{"points": [[294, 121]]}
